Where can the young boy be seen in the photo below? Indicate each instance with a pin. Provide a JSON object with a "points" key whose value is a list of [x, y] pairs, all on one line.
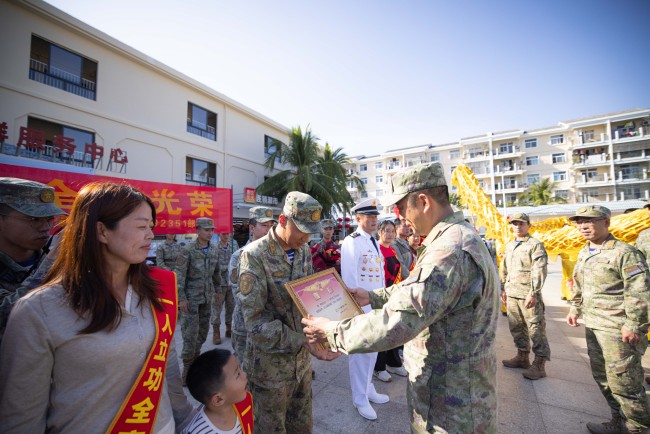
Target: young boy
{"points": [[215, 380]]}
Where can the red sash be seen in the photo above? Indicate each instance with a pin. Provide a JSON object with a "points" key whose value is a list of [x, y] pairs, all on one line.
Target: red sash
{"points": [[137, 415], [244, 410]]}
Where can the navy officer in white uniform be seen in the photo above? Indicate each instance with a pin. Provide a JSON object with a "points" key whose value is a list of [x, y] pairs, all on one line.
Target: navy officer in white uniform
{"points": [[362, 266]]}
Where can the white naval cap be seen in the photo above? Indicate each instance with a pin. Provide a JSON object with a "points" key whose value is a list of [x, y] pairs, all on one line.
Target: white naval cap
{"points": [[368, 206]]}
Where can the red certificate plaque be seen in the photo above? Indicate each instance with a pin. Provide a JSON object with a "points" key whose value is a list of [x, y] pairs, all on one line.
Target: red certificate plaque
{"points": [[323, 294]]}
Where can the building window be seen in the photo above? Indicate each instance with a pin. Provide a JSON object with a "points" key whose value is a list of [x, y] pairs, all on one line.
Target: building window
{"points": [[559, 176], [199, 172], [564, 194], [559, 158], [201, 122], [435, 157], [631, 172], [530, 143], [271, 145], [364, 181], [588, 136], [505, 148], [452, 169], [379, 178], [454, 154], [532, 161], [533, 178], [60, 143], [379, 193], [55, 66], [363, 167], [557, 139], [364, 194], [379, 165]]}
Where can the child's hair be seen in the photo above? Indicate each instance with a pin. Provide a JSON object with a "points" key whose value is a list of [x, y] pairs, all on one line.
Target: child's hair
{"points": [[205, 376]]}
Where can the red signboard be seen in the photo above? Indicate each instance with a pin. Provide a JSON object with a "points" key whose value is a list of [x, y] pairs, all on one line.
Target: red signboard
{"points": [[177, 205], [249, 195]]}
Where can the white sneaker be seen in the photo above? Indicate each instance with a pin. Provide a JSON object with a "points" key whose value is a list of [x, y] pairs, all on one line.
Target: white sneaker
{"points": [[398, 371], [378, 398], [367, 411], [383, 376]]}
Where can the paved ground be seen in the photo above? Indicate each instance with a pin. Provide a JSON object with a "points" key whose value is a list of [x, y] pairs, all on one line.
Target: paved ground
{"points": [[562, 403]]}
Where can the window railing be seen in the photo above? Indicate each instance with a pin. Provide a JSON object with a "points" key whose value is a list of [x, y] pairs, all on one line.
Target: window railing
{"points": [[51, 76], [77, 158], [201, 129], [200, 180]]}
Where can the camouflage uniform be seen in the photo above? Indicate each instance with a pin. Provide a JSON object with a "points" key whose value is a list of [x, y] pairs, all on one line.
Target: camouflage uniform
{"points": [[223, 293], [445, 319], [404, 255], [611, 291], [166, 254], [32, 199], [277, 362], [238, 329], [524, 273], [643, 244], [198, 275]]}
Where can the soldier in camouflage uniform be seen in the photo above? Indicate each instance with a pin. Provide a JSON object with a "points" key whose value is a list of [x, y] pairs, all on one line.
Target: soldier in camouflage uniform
{"points": [[611, 290], [197, 274], [27, 213], [402, 247], [643, 244], [226, 247], [260, 221], [445, 318], [524, 273], [167, 253], [277, 359]]}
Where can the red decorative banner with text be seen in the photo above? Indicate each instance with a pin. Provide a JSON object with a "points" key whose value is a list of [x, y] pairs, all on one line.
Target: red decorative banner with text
{"points": [[177, 205]]}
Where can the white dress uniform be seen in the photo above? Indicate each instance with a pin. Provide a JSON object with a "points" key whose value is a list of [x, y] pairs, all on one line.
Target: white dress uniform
{"points": [[362, 266]]}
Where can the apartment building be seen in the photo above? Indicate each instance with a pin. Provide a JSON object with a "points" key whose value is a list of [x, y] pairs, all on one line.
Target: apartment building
{"points": [[74, 99], [600, 158]]}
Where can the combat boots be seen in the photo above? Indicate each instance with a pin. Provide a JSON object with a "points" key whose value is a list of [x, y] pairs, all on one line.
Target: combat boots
{"points": [[521, 360], [614, 426], [536, 370], [186, 367], [216, 335]]}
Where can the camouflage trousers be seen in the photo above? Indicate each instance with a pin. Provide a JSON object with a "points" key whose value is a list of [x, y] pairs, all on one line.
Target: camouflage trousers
{"points": [[221, 294], [285, 409], [616, 367], [238, 343], [195, 325], [528, 324]]}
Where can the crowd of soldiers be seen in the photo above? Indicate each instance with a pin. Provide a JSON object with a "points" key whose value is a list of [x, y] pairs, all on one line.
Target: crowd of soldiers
{"points": [[445, 319]]}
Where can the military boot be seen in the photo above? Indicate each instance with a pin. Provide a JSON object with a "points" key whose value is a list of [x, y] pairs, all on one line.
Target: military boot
{"points": [[216, 335], [614, 426], [186, 367], [536, 370], [521, 360], [629, 428]]}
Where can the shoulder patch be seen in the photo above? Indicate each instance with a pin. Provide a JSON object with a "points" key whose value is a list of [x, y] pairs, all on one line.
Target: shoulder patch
{"points": [[633, 270], [538, 255], [354, 235], [246, 281], [234, 275]]}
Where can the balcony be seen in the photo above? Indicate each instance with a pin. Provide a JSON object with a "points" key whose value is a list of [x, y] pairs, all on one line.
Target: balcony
{"points": [[592, 141], [623, 134], [582, 160], [201, 129], [393, 167], [634, 176], [51, 76], [514, 153], [470, 157], [77, 158], [509, 169], [635, 156], [585, 181]]}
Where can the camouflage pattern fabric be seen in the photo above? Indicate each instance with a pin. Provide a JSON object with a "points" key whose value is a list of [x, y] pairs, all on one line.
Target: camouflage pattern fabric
{"points": [[276, 358], [166, 255], [447, 323], [198, 275], [643, 244], [416, 178], [611, 290], [31, 198], [404, 255], [524, 272], [223, 293]]}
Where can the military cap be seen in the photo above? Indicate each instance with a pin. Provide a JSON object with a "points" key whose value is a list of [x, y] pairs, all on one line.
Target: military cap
{"points": [[304, 210], [592, 211], [204, 223], [647, 205], [416, 178], [368, 207], [520, 217], [327, 223], [262, 214], [29, 197]]}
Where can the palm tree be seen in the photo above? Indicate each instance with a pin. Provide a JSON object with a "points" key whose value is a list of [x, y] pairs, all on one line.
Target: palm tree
{"points": [[541, 193], [310, 169], [454, 199]]}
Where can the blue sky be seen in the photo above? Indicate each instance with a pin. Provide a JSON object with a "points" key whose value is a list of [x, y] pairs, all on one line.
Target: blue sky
{"points": [[369, 76]]}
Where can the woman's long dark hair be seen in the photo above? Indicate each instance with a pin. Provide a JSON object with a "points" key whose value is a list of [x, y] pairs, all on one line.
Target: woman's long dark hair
{"points": [[80, 266]]}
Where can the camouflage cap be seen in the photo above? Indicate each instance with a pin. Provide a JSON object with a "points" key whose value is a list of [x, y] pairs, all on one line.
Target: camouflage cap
{"points": [[416, 178], [592, 211], [304, 210], [204, 223], [327, 223], [29, 197], [262, 214], [519, 217]]}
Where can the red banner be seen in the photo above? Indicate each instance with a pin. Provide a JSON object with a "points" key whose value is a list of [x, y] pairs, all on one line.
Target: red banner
{"points": [[177, 205]]}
